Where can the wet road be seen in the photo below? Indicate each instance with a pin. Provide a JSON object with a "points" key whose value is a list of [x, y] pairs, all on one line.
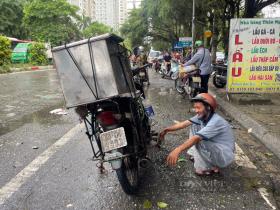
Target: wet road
{"points": [[68, 179]]}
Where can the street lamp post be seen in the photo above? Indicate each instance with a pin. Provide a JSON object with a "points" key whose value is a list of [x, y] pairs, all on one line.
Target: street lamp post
{"points": [[193, 27]]}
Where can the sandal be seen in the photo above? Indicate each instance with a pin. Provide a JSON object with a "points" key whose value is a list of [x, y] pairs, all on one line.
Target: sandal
{"points": [[215, 170], [204, 173]]}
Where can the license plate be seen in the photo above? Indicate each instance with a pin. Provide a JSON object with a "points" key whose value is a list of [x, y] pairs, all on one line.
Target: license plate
{"points": [[196, 79], [142, 74], [113, 139]]}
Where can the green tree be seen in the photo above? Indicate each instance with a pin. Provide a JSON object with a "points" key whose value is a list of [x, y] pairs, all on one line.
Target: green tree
{"points": [[11, 18], [167, 20], [136, 27], [96, 29], [51, 20], [84, 22], [38, 54], [5, 50], [252, 7]]}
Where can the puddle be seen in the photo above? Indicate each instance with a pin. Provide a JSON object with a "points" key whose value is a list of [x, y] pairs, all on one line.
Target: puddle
{"points": [[40, 117]]}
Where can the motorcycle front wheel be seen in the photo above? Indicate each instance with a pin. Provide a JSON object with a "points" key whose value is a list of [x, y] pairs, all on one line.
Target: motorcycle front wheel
{"points": [[174, 76], [191, 90], [128, 175], [179, 86]]}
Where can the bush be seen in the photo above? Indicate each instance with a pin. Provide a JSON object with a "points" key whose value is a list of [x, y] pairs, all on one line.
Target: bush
{"points": [[4, 69], [5, 51], [38, 54]]}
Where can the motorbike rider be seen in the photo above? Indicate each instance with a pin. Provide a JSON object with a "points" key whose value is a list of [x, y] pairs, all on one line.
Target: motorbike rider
{"points": [[211, 143], [167, 60], [142, 56], [188, 55], [202, 60], [141, 60]]}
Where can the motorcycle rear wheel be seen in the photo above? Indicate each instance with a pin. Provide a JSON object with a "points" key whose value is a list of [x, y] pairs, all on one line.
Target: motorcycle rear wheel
{"points": [[218, 84], [128, 175], [192, 91]]}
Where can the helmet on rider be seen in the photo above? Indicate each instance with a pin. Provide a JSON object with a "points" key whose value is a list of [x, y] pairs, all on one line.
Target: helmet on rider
{"points": [[141, 48], [198, 43], [206, 99]]}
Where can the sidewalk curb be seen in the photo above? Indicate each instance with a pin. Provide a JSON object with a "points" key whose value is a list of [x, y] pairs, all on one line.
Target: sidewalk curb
{"points": [[42, 67], [258, 131], [35, 68]]}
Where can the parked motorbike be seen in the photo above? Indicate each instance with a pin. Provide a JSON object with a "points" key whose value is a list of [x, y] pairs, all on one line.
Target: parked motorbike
{"points": [[116, 122], [121, 130], [219, 75], [172, 73], [141, 74], [157, 64], [189, 85]]}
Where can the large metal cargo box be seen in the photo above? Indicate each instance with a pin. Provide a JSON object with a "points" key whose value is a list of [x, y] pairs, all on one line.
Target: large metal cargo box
{"points": [[93, 69]]}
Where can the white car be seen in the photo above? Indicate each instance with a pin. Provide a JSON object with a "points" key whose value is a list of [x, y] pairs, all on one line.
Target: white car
{"points": [[153, 55]]}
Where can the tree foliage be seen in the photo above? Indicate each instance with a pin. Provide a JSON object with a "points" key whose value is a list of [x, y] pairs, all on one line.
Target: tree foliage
{"points": [[11, 18], [51, 20], [252, 7], [38, 54], [84, 22], [167, 20], [5, 50], [136, 27], [95, 29]]}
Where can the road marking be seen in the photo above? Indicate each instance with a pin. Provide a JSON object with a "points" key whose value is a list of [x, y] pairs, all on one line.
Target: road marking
{"points": [[11, 187], [264, 194], [242, 160]]}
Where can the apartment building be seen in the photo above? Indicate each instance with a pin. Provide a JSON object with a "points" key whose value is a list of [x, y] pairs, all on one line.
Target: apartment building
{"points": [[87, 7]]}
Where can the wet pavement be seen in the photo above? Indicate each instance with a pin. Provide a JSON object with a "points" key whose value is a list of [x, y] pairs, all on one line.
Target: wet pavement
{"points": [[71, 180], [25, 121]]}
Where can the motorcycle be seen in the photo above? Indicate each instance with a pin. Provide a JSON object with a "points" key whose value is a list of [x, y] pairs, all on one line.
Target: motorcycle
{"points": [[143, 74], [189, 84], [172, 73], [219, 75], [139, 76], [157, 62], [117, 124]]}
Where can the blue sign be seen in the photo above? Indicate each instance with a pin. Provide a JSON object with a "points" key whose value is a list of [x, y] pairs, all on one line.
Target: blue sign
{"points": [[182, 44]]}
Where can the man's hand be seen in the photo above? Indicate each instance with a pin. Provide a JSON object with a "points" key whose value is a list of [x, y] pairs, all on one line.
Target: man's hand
{"points": [[173, 157]]}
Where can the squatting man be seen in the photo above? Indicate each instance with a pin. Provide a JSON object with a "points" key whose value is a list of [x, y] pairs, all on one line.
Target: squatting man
{"points": [[211, 143]]}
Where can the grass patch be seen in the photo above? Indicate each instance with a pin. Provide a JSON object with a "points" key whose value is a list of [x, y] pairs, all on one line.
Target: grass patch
{"points": [[15, 67]]}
